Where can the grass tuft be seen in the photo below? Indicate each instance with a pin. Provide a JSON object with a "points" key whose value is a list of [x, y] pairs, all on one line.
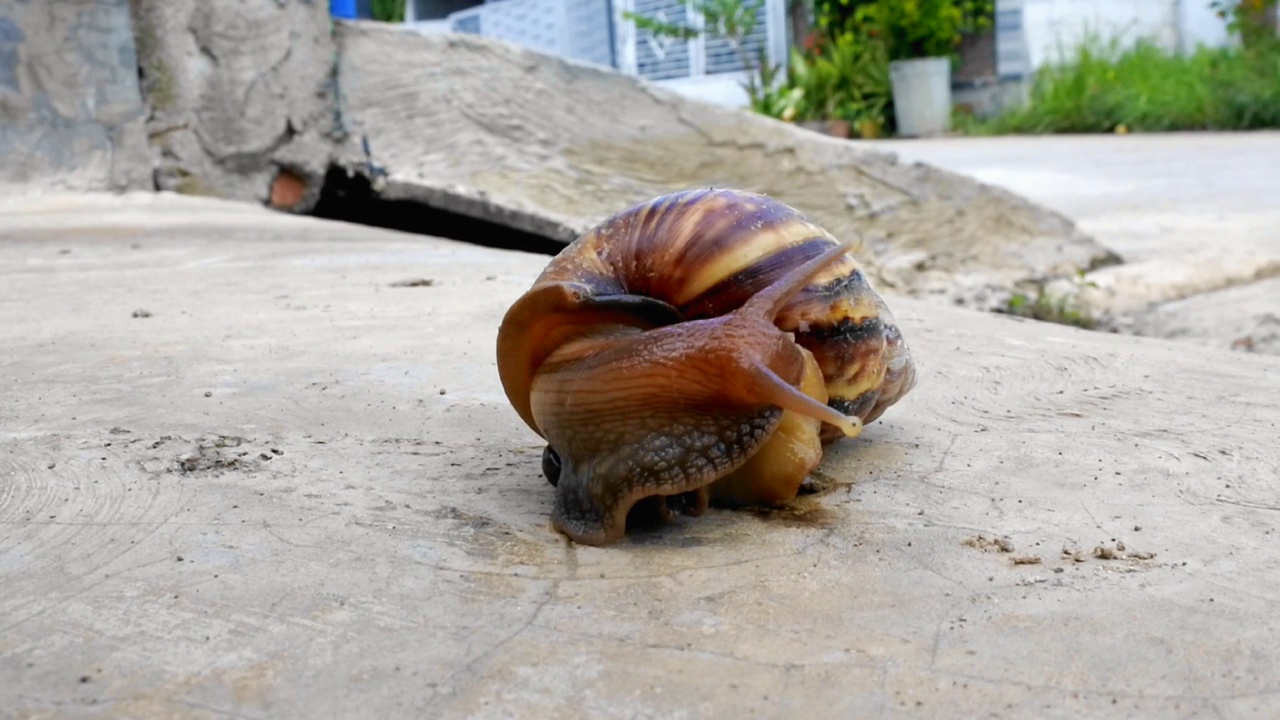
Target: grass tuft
{"points": [[1048, 309], [1106, 88]]}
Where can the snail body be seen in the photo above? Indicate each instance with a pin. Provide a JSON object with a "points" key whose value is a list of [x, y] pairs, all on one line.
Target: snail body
{"points": [[699, 347]]}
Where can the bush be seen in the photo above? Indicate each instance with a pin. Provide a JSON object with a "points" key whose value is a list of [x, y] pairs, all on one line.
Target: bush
{"points": [[842, 79], [914, 28], [1144, 88], [843, 71], [388, 10]]}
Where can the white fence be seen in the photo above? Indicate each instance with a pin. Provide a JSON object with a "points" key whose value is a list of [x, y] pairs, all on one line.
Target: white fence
{"points": [[1030, 33], [577, 29], [662, 58]]}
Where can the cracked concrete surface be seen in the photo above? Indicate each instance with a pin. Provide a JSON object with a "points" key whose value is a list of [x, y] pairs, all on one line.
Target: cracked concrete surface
{"points": [[295, 491], [238, 93], [1196, 217]]}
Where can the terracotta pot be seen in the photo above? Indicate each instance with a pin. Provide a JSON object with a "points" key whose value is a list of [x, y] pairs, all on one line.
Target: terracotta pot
{"points": [[834, 128]]}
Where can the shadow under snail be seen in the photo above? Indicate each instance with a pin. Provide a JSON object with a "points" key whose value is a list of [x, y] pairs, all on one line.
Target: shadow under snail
{"points": [[697, 348]]}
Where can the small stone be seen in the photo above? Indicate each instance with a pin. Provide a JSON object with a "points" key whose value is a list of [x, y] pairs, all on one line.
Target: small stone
{"points": [[412, 283], [140, 313], [208, 393]]}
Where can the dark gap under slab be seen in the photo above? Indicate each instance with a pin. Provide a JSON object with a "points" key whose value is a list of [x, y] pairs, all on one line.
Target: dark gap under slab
{"points": [[350, 197]]}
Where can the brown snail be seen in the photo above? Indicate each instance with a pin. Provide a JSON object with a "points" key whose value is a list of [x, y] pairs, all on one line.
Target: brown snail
{"points": [[699, 347]]}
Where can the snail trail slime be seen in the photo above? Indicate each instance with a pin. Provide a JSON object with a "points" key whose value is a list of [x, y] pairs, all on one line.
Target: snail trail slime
{"points": [[699, 348]]}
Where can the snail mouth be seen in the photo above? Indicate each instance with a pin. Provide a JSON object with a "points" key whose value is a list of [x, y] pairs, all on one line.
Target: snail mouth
{"points": [[656, 511], [692, 503]]}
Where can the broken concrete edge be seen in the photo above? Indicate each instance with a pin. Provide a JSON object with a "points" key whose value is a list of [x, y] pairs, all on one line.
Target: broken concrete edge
{"points": [[478, 208], [544, 161], [241, 98]]}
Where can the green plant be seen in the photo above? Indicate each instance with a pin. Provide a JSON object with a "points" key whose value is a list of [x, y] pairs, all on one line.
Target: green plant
{"points": [[844, 79], [837, 17], [388, 10], [977, 15], [1046, 308], [921, 28], [1144, 88], [730, 20], [1254, 21]]}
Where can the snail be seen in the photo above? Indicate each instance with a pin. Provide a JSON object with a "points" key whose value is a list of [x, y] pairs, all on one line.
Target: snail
{"points": [[701, 347]]}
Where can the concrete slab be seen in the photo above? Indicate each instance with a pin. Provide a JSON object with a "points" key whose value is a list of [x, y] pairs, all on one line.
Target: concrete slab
{"points": [[295, 490], [1189, 212], [531, 141], [1245, 318]]}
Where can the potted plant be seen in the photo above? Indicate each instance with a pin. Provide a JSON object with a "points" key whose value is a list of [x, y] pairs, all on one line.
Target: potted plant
{"points": [[920, 37], [838, 85]]}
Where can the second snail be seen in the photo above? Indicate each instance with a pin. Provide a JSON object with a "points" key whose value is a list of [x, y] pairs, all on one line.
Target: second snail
{"points": [[697, 349]]}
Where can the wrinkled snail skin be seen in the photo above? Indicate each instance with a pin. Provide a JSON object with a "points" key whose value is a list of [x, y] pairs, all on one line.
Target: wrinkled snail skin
{"points": [[698, 347]]}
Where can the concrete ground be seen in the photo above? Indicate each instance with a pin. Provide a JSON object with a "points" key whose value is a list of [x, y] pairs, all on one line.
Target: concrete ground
{"points": [[247, 470], [1193, 215]]}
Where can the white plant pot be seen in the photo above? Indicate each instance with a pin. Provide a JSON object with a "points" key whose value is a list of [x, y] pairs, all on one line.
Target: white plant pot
{"points": [[922, 95]]}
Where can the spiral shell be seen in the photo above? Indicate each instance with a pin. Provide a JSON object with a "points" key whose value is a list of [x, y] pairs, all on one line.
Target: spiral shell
{"points": [[640, 353]]}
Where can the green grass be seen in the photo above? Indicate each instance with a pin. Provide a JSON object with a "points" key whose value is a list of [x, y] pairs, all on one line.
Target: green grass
{"points": [[1145, 89], [1048, 309]]}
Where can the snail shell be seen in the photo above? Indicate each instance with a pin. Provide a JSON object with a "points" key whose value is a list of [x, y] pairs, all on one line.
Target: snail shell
{"points": [[698, 347]]}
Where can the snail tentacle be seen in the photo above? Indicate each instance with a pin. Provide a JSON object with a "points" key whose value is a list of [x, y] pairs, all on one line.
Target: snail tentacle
{"points": [[767, 304], [774, 390]]}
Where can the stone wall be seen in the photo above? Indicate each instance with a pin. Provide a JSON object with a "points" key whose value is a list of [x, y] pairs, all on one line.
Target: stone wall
{"points": [[71, 116], [242, 96]]}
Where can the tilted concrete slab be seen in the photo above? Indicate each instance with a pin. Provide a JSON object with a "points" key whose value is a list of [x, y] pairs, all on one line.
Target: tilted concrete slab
{"points": [[1246, 317], [551, 147], [295, 489], [1190, 213]]}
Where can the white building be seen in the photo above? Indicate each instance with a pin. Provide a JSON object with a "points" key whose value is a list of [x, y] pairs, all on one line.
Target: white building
{"points": [[598, 31], [1029, 33]]}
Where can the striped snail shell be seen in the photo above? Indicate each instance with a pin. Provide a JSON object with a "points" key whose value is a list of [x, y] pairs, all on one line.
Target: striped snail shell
{"points": [[699, 347]]}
